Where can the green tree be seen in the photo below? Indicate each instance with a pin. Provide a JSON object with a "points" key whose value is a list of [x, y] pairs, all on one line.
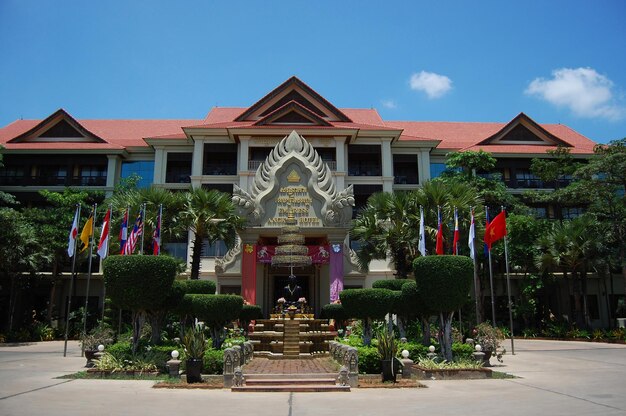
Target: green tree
{"points": [[211, 216], [367, 305], [443, 285], [216, 311]]}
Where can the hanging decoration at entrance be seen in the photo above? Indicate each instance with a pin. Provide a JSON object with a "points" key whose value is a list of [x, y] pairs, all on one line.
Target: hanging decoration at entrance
{"points": [[319, 254], [336, 272]]}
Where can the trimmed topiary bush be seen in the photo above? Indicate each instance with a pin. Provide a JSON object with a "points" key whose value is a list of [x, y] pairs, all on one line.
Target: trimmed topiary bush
{"points": [[215, 310], [141, 284], [249, 313], [367, 304], [391, 284], [334, 311], [443, 284]]}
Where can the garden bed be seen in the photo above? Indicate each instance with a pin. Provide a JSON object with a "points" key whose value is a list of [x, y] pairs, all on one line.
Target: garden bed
{"points": [[373, 381], [96, 373], [208, 382], [452, 373]]}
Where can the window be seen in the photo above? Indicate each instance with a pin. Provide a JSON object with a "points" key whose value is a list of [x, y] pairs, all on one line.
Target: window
{"points": [[540, 212], [213, 250], [93, 175], [220, 159], [361, 194], [143, 168], [222, 187], [11, 175], [436, 169], [364, 160], [525, 179], [178, 168], [405, 169], [569, 213]]}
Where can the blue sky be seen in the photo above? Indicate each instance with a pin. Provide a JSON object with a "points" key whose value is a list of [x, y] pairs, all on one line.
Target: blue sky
{"points": [[557, 61]]}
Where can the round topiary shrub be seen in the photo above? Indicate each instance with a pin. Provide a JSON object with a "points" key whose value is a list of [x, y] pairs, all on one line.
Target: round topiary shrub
{"points": [[139, 282], [334, 311], [443, 284], [391, 284], [367, 304], [215, 310], [249, 313]]}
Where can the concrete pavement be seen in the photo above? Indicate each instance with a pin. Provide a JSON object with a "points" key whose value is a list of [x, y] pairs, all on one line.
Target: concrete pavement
{"points": [[557, 378]]}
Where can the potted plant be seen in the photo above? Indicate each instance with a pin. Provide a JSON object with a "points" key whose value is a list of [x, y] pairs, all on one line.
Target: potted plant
{"points": [[489, 338], [387, 350], [195, 343], [100, 335]]}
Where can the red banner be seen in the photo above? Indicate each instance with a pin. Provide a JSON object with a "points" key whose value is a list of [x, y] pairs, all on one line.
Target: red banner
{"points": [[319, 254], [248, 273]]}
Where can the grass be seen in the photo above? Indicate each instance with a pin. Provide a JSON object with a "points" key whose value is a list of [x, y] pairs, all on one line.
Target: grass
{"points": [[501, 375]]}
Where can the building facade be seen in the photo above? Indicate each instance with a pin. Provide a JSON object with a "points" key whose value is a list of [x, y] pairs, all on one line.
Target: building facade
{"points": [[291, 152]]}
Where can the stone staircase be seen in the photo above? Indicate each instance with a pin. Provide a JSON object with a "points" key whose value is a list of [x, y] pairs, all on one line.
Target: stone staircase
{"points": [[298, 383], [291, 340]]}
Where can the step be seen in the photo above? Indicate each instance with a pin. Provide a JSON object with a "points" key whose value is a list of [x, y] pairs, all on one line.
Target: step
{"points": [[301, 388], [289, 381], [299, 376]]}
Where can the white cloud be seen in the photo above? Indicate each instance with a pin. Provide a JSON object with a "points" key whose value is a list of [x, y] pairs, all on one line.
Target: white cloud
{"points": [[584, 91], [390, 104], [434, 85]]}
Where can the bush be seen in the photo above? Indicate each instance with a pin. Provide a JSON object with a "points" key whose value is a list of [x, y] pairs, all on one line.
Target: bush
{"points": [[369, 360], [367, 303], [443, 282], [391, 284], [250, 312], [215, 310], [416, 350], [462, 351], [139, 282], [334, 311], [213, 361]]}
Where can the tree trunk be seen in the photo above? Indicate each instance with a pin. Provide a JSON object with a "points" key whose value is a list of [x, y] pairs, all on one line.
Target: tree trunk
{"points": [[156, 322], [196, 253], [139, 318], [425, 331], [217, 336], [367, 331], [583, 281], [578, 308], [402, 322], [445, 335]]}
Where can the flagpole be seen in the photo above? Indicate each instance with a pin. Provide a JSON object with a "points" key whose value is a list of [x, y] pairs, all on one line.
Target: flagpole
{"points": [[508, 291], [476, 278], [143, 228], [69, 298], [104, 287], [160, 229], [493, 299], [95, 208]]}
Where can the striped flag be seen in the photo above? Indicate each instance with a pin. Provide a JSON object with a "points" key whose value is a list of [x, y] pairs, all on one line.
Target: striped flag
{"points": [[73, 234], [455, 240], [103, 245], [124, 232], [439, 247], [131, 244], [421, 247], [472, 235], [156, 236]]}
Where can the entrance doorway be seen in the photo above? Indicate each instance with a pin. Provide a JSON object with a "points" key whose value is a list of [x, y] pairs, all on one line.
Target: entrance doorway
{"points": [[278, 278]]}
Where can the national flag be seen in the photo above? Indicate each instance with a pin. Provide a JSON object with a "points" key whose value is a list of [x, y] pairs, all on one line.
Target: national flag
{"points": [[472, 235], [439, 247], [73, 234], [496, 229], [85, 234], [421, 247], [124, 232], [131, 244], [455, 240], [103, 245], [156, 236]]}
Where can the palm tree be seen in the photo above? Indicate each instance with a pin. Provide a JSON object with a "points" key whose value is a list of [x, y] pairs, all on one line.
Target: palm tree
{"points": [[573, 247], [211, 216]]}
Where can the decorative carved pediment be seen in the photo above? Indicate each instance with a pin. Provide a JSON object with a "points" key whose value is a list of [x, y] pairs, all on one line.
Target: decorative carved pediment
{"points": [[315, 195]]}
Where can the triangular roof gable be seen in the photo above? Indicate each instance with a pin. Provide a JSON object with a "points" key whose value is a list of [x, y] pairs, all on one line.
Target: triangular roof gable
{"points": [[292, 113], [59, 122], [293, 90], [523, 130]]}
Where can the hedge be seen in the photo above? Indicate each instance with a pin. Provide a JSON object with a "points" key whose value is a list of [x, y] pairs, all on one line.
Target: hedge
{"points": [[250, 312], [367, 303], [139, 282], [443, 282], [391, 284], [334, 311], [213, 309]]}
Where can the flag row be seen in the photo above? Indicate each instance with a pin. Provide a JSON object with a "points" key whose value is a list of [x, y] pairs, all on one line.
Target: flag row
{"points": [[128, 242], [494, 231]]}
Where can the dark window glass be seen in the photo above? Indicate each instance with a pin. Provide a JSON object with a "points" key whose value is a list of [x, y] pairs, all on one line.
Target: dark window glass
{"points": [[142, 168], [405, 169], [364, 160]]}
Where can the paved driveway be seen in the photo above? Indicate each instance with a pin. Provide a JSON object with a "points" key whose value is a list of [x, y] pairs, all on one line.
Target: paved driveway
{"points": [[556, 378]]}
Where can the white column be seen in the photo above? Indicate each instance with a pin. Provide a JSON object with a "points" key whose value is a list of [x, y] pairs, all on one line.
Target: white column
{"points": [[198, 157], [159, 165], [340, 157], [244, 156], [112, 170], [424, 166], [387, 165]]}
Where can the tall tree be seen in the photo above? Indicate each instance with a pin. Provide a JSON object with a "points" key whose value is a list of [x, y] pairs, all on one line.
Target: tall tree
{"points": [[211, 216]]}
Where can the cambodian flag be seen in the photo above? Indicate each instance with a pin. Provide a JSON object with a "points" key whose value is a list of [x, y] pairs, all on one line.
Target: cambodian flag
{"points": [[439, 247], [156, 236], [124, 232]]}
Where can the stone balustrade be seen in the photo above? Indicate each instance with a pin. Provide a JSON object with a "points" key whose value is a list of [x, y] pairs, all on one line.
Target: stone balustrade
{"points": [[234, 360], [348, 357]]}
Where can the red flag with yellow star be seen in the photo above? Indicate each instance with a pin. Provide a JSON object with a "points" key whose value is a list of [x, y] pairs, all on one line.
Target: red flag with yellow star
{"points": [[496, 229]]}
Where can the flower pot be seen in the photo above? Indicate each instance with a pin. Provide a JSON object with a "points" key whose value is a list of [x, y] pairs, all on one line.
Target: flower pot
{"points": [[390, 368], [486, 358], [194, 368]]}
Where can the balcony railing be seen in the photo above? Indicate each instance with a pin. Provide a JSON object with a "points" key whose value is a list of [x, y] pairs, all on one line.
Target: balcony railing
{"points": [[53, 180]]}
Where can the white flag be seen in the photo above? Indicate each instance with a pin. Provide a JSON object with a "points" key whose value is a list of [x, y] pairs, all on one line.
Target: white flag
{"points": [[472, 235], [73, 234], [421, 247]]}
